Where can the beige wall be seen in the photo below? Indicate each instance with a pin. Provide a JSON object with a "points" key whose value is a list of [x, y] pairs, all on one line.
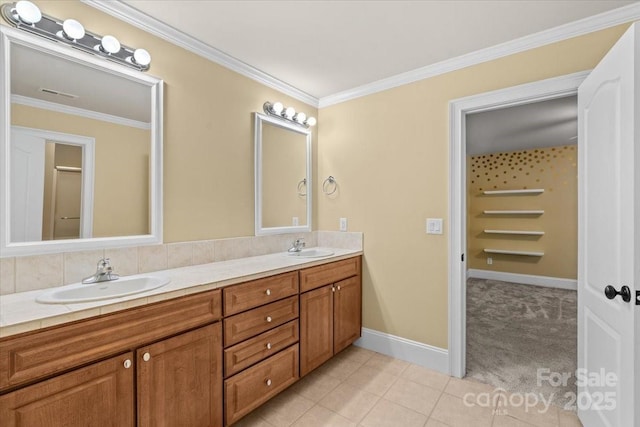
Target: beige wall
{"points": [[121, 173], [208, 131], [389, 153], [284, 165], [553, 169]]}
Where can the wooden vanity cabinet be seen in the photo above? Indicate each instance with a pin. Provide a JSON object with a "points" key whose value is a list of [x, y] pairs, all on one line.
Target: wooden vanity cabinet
{"points": [[101, 394], [179, 380], [174, 378], [261, 342], [330, 314]]}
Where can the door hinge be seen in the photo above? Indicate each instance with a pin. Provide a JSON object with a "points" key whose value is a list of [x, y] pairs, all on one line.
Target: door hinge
{"points": [[462, 258]]}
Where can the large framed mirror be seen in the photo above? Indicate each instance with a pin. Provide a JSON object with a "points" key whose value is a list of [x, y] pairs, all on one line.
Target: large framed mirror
{"points": [[80, 149], [282, 176]]}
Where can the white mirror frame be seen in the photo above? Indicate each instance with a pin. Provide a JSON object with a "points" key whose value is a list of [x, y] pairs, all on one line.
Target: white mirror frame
{"points": [[260, 230], [11, 36]]}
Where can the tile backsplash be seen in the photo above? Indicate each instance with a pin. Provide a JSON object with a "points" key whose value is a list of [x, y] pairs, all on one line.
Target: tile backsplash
{"points": [[20, 274]]}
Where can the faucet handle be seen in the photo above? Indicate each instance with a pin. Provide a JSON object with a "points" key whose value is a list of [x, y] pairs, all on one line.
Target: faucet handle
{"points": [[104, 264]]}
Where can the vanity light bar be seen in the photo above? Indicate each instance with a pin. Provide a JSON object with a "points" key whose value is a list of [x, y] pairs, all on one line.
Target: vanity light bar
{"points": [[27, 16], [289, 114]]}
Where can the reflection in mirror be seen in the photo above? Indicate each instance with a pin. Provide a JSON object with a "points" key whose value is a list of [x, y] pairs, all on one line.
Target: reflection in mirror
{"points": [[82, 152], [283, 176]]}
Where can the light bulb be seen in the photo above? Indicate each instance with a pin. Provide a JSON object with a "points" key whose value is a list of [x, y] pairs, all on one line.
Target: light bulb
{"points": [[289, 112], [311, 121], [110, 44], [277, 108], [72, 29], [141, 57], [300, 118], [28, 12]]}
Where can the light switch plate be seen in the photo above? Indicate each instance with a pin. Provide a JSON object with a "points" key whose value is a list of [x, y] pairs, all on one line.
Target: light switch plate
{"points": [[295, 221], [343, 224], [434, 225]]}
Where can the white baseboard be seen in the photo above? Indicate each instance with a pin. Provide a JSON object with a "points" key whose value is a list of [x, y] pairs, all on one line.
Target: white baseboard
{"points": [[425, 355], [527, 279]]}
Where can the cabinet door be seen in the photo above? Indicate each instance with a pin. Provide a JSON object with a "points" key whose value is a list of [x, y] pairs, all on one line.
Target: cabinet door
{"points": [[180, 380], [316, 328], [347, 313], [98, 395]]}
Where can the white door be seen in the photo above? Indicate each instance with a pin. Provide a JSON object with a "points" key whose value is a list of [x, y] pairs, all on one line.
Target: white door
{"points": [[27, 186], [609, 238]]}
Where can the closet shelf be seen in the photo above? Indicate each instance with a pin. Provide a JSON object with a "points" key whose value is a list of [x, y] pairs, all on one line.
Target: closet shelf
{"points": [[519, 232], [527, 191], [506, 252], [515, 212]]}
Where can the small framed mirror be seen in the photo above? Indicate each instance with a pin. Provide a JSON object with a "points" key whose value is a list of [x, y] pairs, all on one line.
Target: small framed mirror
{"points": [[283, 190], [80, 148]]}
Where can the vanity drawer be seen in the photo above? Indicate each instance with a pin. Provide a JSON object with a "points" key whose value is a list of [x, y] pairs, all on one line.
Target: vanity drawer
{"points": [[254, 386], [251, 323], [259, 292], [37, 355], [314, 277], [253, 350]]}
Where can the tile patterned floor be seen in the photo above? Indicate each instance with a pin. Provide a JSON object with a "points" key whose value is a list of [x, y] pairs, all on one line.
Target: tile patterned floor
{"points": [[361, 388]]}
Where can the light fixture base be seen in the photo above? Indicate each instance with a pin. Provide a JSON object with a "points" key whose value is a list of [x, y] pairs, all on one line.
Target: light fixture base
{"points": [[50, 28]]}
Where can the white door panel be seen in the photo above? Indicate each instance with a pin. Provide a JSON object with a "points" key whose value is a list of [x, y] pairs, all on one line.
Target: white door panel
{"points": [[27, 186], [609, 204]]}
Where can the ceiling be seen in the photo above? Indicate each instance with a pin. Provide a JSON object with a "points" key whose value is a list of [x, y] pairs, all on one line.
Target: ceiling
{"points": [[91, 89], [547, 123], [326, 47]]}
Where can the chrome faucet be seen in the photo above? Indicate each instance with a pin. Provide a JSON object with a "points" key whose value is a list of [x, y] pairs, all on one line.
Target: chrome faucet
{"points": [[104, 273], [297, 245]]}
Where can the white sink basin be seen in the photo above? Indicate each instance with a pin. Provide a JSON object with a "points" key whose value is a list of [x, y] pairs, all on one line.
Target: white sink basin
{"points": [[311, 253], [79, 292]]}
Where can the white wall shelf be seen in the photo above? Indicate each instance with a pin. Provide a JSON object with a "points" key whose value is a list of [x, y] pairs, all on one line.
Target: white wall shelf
{"points": [[515, 212], [517, 232], [506, 252], [508, 192]]}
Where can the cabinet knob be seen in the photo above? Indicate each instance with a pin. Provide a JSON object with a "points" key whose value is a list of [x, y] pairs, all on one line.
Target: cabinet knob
{"points": [[268, 319], [268, 292], [268, 382], [338, 287], [127, 364], [146, 357], [268, 346], [333, 289]]}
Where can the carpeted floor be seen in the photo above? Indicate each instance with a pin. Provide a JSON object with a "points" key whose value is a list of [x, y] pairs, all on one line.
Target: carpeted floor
{"points": [[514, 329]]}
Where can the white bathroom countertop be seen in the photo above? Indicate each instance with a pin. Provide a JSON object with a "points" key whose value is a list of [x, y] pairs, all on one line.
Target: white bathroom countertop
{"points": [[21, 313]]}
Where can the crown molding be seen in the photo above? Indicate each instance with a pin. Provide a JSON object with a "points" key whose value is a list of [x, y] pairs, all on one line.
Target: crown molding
{"points": [[584, 26], [151, 25], [60, 108], [625, 14]]}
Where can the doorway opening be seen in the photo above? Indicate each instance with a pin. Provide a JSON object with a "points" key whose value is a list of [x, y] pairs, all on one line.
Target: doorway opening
{"points": [[522, 213], [460, 111]]}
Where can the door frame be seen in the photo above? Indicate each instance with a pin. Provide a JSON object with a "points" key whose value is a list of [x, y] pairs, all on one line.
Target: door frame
{"points": [[87, 143], [542, 90]]}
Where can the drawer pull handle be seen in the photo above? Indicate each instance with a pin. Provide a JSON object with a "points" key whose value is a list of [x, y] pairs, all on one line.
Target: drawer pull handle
{"points": [[268, 382], [127, 364], [268, 346], [269, 319], [146, 357], [268, 292]]}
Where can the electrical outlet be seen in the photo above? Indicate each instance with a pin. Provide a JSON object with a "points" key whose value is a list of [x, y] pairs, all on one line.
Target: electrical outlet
{"points": [[295, 221], [343, 224], [489, 261]]}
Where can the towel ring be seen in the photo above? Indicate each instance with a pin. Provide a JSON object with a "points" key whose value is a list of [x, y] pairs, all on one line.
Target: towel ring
{"points": [[302, 183], [326, 185]]}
